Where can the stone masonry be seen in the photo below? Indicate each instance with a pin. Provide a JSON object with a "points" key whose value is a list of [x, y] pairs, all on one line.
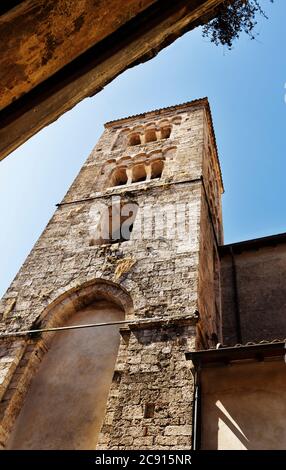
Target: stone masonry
{"points": [[159, 161]]}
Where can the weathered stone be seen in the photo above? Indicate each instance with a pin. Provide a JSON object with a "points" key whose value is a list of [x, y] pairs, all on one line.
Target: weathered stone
{"points": [[185, 430], [57, 53], [161, 280]]}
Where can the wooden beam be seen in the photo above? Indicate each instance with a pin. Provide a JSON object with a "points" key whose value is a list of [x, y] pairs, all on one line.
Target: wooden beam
{"points": [[39, 37], [138, 40]]}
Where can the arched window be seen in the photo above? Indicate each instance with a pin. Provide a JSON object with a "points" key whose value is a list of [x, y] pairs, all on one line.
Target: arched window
{"points": [[156, 169], [65, 404], [150, 135], [165, 132], [134, 139], [138, 173], [119, 177], [152, 132]]}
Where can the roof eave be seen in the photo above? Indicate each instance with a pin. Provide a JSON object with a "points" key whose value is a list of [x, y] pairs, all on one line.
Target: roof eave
{"points": [[221, 356]]}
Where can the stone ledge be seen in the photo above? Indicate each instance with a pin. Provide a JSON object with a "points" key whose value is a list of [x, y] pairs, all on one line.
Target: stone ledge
{"points": [[126, 191], [191, 319]]}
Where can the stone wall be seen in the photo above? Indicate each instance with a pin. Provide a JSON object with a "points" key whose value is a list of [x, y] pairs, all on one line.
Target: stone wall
{"points": [[150, 401], [170, 277]]}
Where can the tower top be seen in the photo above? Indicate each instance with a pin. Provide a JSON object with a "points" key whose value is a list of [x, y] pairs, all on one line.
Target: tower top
{"points": [[198, 103], [155, 112]]}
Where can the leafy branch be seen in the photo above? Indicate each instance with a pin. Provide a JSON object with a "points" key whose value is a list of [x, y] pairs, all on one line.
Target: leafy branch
{"points": [[232, 17]]}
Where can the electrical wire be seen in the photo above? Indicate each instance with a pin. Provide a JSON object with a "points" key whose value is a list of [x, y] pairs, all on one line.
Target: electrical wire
{"points": [[89, 325]]}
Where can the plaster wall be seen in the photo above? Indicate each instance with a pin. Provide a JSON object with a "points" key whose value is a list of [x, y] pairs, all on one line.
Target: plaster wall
{"points": [[244, 407], [65, 403]]}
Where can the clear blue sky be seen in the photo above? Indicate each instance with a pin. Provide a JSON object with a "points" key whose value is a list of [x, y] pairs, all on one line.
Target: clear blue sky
{"points": [[246, 88]]}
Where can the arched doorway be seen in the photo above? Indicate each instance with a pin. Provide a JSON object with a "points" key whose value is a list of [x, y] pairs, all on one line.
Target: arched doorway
{"points": [[65, 404]]}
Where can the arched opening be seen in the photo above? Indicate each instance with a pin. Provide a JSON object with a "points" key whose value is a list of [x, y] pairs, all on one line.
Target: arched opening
{"points": [[119, 177], [134, 139], [138, 173], [165, 132], [150, 135], [65, 404], [156, 169]]}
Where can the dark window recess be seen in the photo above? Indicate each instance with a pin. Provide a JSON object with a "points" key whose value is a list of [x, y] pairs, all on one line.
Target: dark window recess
{"points": [[165, 132], [116, 376], [135, 139], [150, 135], [149, 410], [214, 338], [138, 173], [119, 177], [156, 169]]}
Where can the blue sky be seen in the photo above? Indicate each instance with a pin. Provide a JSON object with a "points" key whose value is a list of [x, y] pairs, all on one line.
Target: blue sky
{"points": [[245, 87]]}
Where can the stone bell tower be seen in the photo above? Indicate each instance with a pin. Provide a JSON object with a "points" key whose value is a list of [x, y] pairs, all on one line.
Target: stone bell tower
{"points": [[133, 243]]}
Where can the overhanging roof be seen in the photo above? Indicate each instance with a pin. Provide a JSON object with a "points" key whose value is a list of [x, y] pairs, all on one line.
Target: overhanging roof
{"points": [[225, 355], [54, 53], [254, 244]]}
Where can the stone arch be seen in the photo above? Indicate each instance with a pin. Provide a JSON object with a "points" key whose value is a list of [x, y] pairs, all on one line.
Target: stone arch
{"points": [[169, 152], [65, 402], [124, 159], [150, 135], [177, 120], [149, 125], [134, 139], [155, 153], [140, 157], [59, 310], [139, 173], [157, 167], [119, 177], [166, 132]]}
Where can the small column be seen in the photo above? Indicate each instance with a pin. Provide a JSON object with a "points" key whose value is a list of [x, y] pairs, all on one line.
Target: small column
{"points": [[129, 174], [148, 170]]}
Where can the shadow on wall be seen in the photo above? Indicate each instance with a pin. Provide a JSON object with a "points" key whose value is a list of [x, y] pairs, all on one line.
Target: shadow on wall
{"points": [[244, 407], [65, 404]]}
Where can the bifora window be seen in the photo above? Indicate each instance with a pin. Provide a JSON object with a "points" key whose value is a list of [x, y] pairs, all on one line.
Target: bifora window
{"points": [[136, 173], [150, 134]]}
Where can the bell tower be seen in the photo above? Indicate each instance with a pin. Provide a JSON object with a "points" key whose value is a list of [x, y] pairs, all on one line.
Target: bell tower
{"points": [[133, 243]]}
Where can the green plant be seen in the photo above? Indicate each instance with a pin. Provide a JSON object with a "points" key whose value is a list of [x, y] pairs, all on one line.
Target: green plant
{"points": [[232, 17]]}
